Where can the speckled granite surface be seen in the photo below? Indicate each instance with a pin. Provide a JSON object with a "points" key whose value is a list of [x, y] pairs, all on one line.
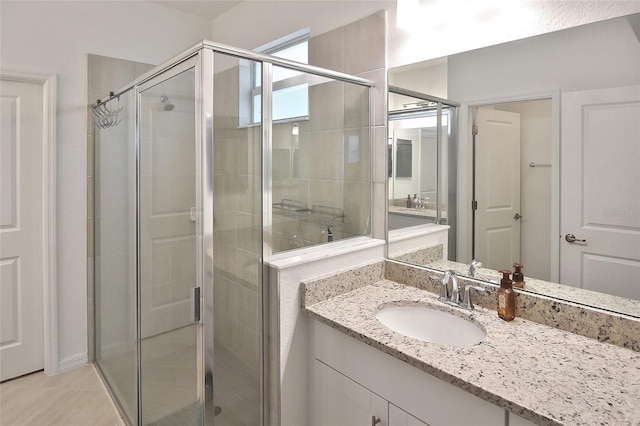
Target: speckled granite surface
{"points": [[424, 256], [596, 324], [341, 282], [596, 299], [546, 375]]}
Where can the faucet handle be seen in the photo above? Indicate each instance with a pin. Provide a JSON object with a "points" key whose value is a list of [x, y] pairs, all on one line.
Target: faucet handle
{"points": [[455, 289], [466, 303], [473, 266], [444, 281], [444, 292]]}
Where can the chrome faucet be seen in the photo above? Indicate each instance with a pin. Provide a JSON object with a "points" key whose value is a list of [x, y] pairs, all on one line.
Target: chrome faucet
{"points": [[475, 264], [467, 303], [453, 298]]}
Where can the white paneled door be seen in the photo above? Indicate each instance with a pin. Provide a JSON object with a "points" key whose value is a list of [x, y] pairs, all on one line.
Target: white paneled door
{"points": [[600, 191], [21, 228], [497, 188]]}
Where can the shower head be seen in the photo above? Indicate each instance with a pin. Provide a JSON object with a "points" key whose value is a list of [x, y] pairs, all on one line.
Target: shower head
{"points": [[168, 106]]}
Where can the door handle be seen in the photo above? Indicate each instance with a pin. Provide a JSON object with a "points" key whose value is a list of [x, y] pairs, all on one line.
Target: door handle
{"points": [[517, 216], [375, 420], [195, 304], [572, 239]]}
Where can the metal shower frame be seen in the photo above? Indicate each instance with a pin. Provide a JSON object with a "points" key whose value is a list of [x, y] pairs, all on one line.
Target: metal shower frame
{"points": [[200, 57]]}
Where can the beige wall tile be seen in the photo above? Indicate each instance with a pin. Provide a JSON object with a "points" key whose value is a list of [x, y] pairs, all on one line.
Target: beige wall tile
{"points": [[249, 200], [380, 167], [356, 106], [325, 193], [357, 197], [364, 44], [326, 155], [325, 50], [379, 77], [250, 233], [379, 219], [357, 159], [326, 106]]}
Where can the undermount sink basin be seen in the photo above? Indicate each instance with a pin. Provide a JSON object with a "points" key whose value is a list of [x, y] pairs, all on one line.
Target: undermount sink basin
{"points": [[430, 325]]}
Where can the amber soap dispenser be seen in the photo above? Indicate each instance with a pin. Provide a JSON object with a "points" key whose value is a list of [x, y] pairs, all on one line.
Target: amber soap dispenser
{"points": [[506, 298], [518, 276]]}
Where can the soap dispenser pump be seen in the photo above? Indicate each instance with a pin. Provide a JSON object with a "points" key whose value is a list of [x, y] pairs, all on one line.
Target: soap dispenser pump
{"points": [[518, 276], [506, 297]]}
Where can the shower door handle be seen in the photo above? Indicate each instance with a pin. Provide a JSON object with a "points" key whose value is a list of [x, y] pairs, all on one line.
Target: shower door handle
{"points": [[195, 303]]}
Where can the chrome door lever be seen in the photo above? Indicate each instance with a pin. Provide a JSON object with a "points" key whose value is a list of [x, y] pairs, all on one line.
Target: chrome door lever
{"points": [[518, 216], [572, 239]]}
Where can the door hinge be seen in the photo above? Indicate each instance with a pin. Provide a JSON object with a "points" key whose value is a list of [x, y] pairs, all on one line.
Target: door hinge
{"points": [[474, 130], [474, 205]]}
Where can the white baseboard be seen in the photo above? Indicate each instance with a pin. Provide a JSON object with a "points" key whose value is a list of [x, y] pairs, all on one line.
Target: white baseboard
{"points": [[72, 362]]}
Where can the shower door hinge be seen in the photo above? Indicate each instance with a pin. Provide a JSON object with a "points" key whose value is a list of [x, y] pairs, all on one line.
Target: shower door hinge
{"points": [[474, 130], [195, 303], [474, 205]]}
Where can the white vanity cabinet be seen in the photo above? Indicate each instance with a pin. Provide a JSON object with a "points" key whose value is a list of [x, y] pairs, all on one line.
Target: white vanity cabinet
{"points": [[351, 382], [399, 417], [341, 401], [515, 420]]}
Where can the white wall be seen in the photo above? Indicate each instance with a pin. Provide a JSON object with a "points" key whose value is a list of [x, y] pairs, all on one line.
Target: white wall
{"points": [[445, 28], [580, 59], [55, 37], [431, 80]]}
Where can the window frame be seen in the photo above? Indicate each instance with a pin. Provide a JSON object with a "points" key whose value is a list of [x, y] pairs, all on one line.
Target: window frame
{"points": [[272, 48]]}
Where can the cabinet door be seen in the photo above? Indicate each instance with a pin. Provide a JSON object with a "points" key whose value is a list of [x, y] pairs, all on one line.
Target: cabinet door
{"points": [[399, 417], [339, 401], [515, 420]]}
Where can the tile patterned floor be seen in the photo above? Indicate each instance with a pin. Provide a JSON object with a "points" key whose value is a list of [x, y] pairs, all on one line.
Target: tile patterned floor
{"points": [[79, 398], [76, 397]]}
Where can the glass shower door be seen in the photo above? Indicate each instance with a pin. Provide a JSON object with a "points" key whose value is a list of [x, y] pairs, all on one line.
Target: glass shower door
{"points": [[169, 377], [115, 254], [237, 244]]}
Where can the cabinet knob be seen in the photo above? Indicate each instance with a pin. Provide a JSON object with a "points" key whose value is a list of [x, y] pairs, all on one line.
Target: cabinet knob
{"points": [[375, 420]]}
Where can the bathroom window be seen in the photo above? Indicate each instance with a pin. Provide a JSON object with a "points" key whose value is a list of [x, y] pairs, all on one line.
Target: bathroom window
{"points": [[290, 88]]}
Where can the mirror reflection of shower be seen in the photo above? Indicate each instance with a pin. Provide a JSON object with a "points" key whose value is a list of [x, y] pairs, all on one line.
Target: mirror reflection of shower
{"points": [[168, 106]]}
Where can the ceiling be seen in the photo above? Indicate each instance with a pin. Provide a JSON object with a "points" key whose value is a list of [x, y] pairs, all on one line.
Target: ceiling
{"points": [[208, 9]]}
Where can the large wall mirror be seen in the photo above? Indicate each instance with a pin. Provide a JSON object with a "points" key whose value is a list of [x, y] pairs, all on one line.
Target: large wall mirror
{"points": [[546, 140]]}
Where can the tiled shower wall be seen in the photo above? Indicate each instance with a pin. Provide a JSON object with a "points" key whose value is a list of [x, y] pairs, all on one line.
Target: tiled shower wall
{"points": [[328, 162], [237, 210], [357, 49]]}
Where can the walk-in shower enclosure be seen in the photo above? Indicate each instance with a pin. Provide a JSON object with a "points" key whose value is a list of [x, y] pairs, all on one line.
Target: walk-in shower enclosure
{"points": [[204, 168]]}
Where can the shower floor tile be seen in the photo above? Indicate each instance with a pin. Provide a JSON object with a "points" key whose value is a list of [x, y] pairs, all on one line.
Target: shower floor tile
{"points": [[169, 380]]}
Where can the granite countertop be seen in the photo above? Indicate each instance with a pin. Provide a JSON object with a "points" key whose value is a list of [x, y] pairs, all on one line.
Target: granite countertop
{"points": [[546, 375], [412, 211], [583, 296]]}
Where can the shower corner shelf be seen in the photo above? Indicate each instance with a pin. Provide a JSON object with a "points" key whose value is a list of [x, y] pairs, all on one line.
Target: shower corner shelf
{"points": [[324, 214], [290, 208], [319, 214]]}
